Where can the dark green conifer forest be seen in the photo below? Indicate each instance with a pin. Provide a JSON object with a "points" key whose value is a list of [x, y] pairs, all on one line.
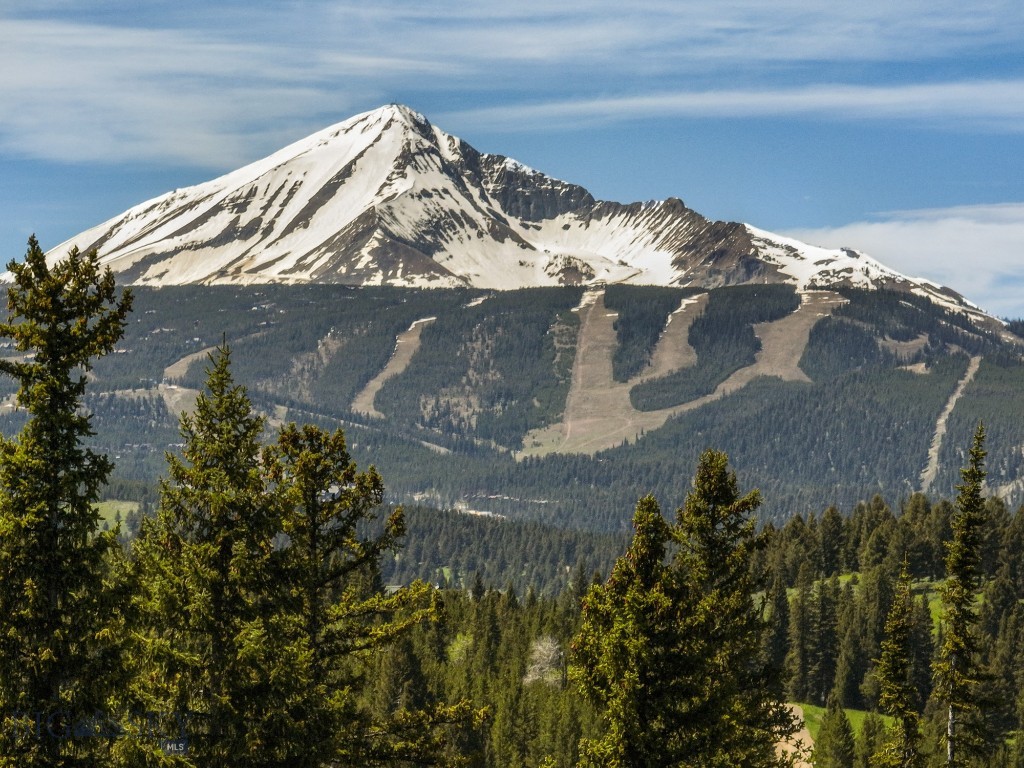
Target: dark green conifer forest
{"points": [[266, 605]]}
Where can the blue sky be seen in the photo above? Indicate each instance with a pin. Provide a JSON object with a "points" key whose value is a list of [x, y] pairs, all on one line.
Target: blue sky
{"points": [[895, 128]]}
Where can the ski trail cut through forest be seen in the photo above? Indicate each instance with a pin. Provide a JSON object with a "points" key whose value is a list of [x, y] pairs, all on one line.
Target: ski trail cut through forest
{"points": [[598, 412], [406, 346], [932, 468]]}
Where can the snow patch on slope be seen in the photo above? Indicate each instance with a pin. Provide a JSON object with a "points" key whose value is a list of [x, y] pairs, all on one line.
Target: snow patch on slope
{"points": [[387, 198]]}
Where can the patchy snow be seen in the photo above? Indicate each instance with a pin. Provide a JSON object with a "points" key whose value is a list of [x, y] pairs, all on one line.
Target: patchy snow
{"points": [[812, 266], [379, 199]]}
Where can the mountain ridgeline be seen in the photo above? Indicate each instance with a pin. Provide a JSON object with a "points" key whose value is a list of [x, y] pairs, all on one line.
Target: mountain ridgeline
{"points": [[387, 198]]}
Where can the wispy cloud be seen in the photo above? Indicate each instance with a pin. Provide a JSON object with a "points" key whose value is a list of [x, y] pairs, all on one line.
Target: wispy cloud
{"points": [[213, 83], [993, 105], [976, 250], [734, 31], [86, 93]]}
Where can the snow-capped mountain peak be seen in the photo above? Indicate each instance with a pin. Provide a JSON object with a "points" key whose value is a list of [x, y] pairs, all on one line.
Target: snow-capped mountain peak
{"points": [[385, 197]]}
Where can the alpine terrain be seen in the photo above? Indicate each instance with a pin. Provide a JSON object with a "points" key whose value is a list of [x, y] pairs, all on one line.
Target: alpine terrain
{"points": [[386, 198], [497, 340]]}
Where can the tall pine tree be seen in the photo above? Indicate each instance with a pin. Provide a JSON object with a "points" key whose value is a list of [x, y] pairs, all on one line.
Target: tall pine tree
{"points": [[899, 696], [58, 654], [337, 613], [957, 668], [835, 747], [670, 652], [213, 649]]}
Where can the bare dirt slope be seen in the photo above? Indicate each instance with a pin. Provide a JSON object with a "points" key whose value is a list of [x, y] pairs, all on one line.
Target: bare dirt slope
{"points": [[181, 399], [800, 743], [405, 347], [178, 369], [932, 467], [598, 412]]}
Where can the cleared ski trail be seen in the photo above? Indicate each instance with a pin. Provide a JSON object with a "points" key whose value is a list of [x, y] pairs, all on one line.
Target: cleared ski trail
{"points": [[406, 345], [598, 411], [932, 467]]}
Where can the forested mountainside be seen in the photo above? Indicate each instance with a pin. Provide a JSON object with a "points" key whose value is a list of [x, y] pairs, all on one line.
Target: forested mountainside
{"points": [[819, 398]]}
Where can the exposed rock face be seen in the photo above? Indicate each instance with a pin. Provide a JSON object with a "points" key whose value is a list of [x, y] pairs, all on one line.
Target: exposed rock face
{"points": [[387, 198]]}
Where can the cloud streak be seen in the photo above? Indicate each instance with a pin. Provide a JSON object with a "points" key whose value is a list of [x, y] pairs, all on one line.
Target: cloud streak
{"points": [[991, 105], [977, 250], [213, 84]]}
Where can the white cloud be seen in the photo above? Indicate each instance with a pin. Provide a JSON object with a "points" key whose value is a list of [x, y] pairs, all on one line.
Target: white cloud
{"points": [[740, 32], [86, 93], [976, 250], [992, 104], [214, 84]]}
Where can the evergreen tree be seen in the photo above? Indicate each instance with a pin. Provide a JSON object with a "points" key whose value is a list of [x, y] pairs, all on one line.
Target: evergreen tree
{"points": [[59, 654], [899, 696], [874, 599], [336, 612], [870, 741], [615, 661], [914, 520], [776, 640], [824, 656], [670, 652], [799, 657], [830, 532], [845, 686], [957, 668], [835, 747], [213, 644], [922, 644]]}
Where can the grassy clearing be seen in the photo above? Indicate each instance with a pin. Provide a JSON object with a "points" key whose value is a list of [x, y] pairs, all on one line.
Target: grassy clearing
{"points": [[813, 716], [109, 511]]}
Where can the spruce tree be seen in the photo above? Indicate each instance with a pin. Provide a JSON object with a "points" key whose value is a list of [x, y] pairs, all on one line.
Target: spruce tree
{"points": [[899, 696], [957, 669], [824, 657], [922, 643], [213, 648], [830, 533], [613, 656], [835, 747], [670, 652], [337, 613], [776, 639], [869, 741], [59, 657], [801, 621]]}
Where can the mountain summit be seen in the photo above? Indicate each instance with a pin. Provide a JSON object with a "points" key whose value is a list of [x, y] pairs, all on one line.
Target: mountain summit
{"points": [[387, 198]]}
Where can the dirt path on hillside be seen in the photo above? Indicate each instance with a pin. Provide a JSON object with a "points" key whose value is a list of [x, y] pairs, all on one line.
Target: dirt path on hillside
{"points": [[406, 346], [932, 467], [800, 742], [598, 412]]}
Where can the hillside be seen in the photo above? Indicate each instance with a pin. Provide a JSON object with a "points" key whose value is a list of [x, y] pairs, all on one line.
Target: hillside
{"points": [[548, 405]]}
